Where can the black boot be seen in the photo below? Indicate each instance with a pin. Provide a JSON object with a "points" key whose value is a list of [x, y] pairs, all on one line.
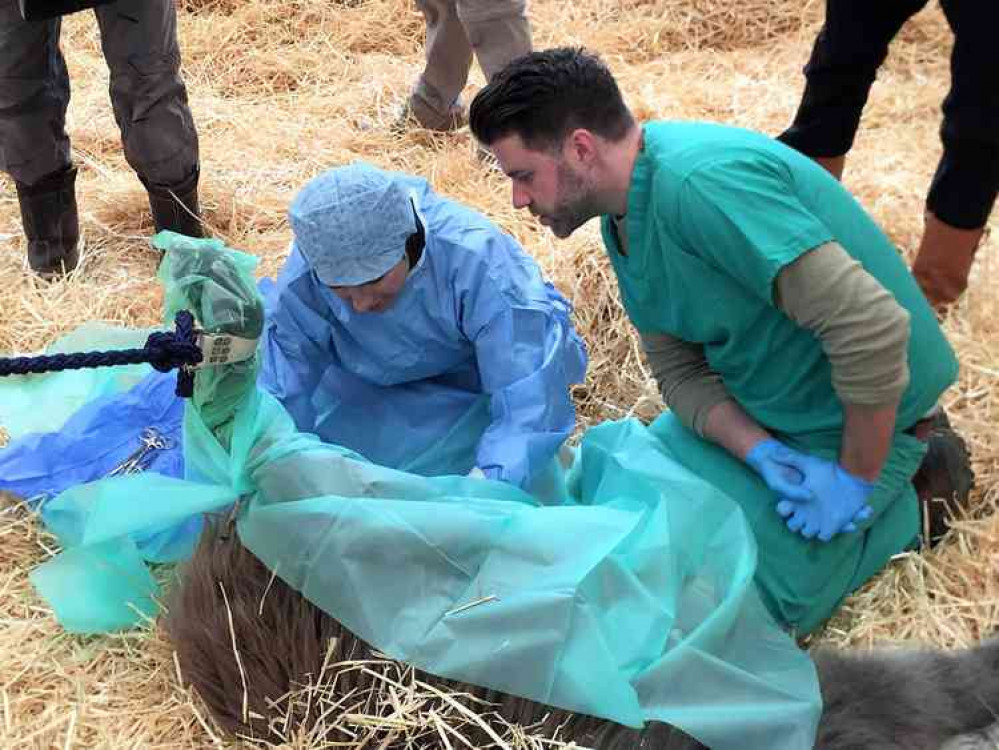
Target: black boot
{"points": [[176, 208], [51, 223], [944, 480]]}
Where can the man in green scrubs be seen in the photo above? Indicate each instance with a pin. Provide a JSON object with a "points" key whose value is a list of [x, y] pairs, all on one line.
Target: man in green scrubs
{"points": [[798, 357]]}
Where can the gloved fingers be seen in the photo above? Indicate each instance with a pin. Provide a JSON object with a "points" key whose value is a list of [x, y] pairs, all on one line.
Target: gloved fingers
{"points": [[796, 492], [790, 474], [850, 527], [792, 458], [796, 522], [810, 530], [785, 508], [789, 490], [785, 455], [864, 513], [828, 534]]}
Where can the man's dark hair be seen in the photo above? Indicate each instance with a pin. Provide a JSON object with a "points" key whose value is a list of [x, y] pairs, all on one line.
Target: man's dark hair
{"points": [[544, 96]]}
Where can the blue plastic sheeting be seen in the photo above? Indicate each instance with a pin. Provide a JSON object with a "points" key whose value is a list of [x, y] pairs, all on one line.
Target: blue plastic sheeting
{"points": [[92, 443], [96, 439], [472, 364], [43, 402]]}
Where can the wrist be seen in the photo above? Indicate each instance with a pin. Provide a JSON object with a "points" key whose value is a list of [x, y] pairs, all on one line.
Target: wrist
{"points": [[862, 482], [864, 470], [868, 432], [730, 427], [758, 451]]}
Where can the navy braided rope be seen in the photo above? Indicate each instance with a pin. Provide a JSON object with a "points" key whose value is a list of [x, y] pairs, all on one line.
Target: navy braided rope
{"points": [[164, 350]]}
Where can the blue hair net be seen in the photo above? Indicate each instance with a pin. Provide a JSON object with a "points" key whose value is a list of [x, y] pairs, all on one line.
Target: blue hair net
{"points": [[351, 223]]}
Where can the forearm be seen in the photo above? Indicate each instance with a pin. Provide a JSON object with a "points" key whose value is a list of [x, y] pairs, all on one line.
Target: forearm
{"points": [[867, 437], [729, 426], [530, 401], [509, 453], [865, 334], [697, 395], [690, 388]]}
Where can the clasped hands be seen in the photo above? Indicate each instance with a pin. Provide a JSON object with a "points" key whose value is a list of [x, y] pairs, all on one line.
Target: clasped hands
{"points": [[819, 498]]}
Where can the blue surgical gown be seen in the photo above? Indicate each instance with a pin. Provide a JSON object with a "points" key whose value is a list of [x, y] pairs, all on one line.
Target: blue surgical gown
{"points": [[471, 366]]}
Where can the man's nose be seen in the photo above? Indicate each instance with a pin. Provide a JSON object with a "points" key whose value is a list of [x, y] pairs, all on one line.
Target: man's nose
{"points": [[520, 197]]}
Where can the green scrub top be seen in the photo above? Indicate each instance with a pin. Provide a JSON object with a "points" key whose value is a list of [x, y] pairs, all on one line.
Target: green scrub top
{"points": [[714, 213]]}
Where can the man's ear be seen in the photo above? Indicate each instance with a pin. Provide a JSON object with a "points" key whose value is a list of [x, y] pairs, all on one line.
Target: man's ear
{"points": [[581, 147]]}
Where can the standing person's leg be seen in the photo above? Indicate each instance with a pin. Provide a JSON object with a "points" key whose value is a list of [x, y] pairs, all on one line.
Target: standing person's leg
{"points": [[34, 147], [434, 101], [139, 40], [498, 30], [845, 59], [964, 187]]}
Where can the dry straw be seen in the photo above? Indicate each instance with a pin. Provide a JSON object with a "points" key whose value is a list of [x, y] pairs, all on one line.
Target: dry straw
{"points": [[282, 89]]}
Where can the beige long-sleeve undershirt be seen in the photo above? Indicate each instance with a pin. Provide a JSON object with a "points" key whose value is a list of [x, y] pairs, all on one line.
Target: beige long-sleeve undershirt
{"points": [[861, 327]]}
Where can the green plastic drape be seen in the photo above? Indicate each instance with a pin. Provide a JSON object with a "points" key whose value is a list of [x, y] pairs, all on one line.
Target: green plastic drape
{"points": [[633, 600]]}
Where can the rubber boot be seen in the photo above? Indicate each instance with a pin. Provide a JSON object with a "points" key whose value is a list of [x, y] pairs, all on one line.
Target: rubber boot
{"points": [[944, 480], [176, 208], [944, 261], [51, 223]]}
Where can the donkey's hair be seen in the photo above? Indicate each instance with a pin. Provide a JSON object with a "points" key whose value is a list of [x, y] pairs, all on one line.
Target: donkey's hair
{"points": [[889, 699], [226, 596]]}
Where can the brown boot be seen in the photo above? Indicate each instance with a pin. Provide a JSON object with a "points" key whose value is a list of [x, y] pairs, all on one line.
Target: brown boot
{"points": [[944, 480], [176, 208], [51, 223], [944, 261]]}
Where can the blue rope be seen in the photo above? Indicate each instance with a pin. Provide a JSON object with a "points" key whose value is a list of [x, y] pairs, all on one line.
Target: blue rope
{"points": [[165, 351]]}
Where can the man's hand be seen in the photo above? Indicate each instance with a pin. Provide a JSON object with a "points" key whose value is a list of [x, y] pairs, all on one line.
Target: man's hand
{"points": [[776, 464], [824, 501]]}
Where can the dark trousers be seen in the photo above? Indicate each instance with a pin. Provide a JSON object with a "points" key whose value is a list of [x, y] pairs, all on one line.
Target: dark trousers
{"points": [[139, 41], [849, 50]]}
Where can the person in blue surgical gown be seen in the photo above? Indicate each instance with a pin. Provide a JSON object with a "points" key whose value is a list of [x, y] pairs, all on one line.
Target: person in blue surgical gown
{"points": [[410, 329]]}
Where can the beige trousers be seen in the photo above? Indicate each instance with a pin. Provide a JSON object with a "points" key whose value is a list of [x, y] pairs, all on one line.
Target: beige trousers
{"points": [[496, 31]]}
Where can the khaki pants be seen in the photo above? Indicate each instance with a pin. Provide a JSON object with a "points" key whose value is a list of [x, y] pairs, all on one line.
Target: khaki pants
{"points": [[139, 41], [497, 31]]}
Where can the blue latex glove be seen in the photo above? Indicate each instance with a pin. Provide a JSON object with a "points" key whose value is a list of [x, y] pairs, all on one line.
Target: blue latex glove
{"points": [[819, 498], [777, 465]]}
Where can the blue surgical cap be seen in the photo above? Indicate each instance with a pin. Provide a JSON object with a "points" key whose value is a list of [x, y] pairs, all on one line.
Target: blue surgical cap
{"points": [[351, 223]]}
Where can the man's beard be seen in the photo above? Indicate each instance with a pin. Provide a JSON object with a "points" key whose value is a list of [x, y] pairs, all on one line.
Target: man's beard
{"points": [[573, 206]]}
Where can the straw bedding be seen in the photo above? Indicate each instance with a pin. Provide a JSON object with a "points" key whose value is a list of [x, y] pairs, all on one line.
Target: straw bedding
{"points": [[282, 89]]}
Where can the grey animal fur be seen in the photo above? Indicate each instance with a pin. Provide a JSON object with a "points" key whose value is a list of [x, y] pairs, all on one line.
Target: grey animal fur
{"points": [[907, 699]]}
